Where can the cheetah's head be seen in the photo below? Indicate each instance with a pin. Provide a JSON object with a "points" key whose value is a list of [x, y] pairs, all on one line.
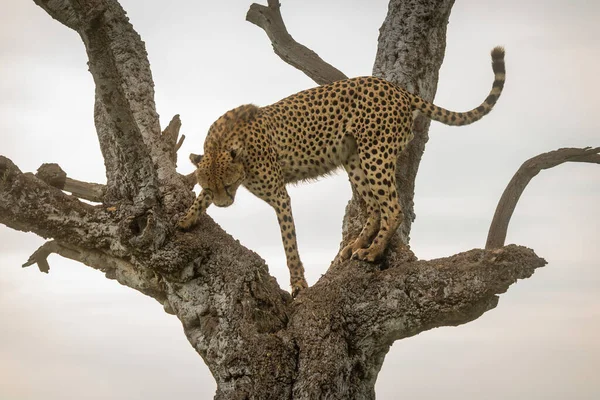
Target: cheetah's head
{"points": [[220, 174]]}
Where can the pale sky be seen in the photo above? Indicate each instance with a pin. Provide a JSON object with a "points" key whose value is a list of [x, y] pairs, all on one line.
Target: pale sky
{"points": [[74, 334]]}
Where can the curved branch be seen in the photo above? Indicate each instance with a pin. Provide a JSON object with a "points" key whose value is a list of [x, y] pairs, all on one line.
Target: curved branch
{"points": [[530, 168], [60, 10], [297, 55]]}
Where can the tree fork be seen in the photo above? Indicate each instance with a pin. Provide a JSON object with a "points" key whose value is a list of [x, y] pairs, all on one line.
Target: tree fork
{"points": [[258, 343]]}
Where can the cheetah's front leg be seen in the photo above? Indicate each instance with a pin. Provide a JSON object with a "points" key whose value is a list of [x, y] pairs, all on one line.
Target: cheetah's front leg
{"points": [[283, 207], [200, 205]]}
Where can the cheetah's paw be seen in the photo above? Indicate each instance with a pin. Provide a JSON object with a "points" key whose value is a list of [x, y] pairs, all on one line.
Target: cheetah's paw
{"points": [[298, 286], [186, 223], [368, 255]]}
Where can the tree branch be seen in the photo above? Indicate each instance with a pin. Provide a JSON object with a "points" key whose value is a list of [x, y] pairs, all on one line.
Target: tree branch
{"points": [[40, 256], [103, 238], [137, 159], [124, 87], [297, 55], [54, 176], [530, 168], [85, 190], [60, 10], [28, 204], [360, 309], [170, 135], [127, 274]]}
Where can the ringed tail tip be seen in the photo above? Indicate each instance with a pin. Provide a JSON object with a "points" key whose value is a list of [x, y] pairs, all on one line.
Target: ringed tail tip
{"points": [[498, 53], [498, 60]]}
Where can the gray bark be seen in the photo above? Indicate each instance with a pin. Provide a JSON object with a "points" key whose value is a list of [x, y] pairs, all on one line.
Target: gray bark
{"points": [[297, 55], [331, 341], [54, 176]]}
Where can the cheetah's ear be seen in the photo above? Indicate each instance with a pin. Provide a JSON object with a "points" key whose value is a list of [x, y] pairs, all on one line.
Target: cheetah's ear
{"points": [[235, 153], [247, 112], [195, 158]]}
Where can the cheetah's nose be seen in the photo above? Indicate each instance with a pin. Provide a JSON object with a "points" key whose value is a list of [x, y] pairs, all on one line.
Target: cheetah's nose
{"points": [[224, 201]]}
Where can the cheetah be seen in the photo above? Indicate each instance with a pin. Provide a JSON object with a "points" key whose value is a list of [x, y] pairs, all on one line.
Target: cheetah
{"points": [[360, 124]]}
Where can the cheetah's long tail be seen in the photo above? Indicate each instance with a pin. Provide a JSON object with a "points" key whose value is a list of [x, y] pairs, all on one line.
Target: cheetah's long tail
{"points": [[464, 118]]}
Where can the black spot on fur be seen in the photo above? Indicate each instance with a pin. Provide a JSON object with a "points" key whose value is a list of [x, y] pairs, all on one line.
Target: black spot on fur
{"points": [[491, 99]]}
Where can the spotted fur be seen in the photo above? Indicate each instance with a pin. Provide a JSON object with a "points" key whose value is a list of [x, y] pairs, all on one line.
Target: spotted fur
{"points": [[361, 124]]}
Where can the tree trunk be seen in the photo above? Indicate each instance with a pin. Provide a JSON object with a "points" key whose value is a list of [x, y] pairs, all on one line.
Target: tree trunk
{"points": [[259, 343], [412, 43]]}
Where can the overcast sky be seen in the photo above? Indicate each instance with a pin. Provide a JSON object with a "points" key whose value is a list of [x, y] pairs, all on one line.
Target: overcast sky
{"points": [[74, 334]]}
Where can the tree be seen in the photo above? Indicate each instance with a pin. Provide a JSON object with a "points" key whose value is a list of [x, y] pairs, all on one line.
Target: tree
{"points": [[258, 342]]}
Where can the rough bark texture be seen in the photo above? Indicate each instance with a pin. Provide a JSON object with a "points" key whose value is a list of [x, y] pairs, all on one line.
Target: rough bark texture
{"points": [[54, 176], [516, 186], [331, 341]]}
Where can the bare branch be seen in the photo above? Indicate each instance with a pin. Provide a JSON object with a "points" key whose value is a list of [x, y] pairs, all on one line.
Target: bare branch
{"points": [[127, 274], [127, 120], [128, 99], [85, 190], [297, 55], [40, 256], [170, 135], [54, 176], [28, 204], [588, 158], [530, 168], [179, 143], [457, 289], [190, 179], [60, 10]]}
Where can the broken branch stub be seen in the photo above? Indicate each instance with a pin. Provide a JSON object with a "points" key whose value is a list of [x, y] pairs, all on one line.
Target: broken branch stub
{"points": [[289, 50], [53, 175], [170, 136]]}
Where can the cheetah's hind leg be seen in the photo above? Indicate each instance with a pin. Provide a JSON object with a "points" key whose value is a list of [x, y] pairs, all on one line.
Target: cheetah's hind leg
{"points": [[361, 186], [382, 183]]}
